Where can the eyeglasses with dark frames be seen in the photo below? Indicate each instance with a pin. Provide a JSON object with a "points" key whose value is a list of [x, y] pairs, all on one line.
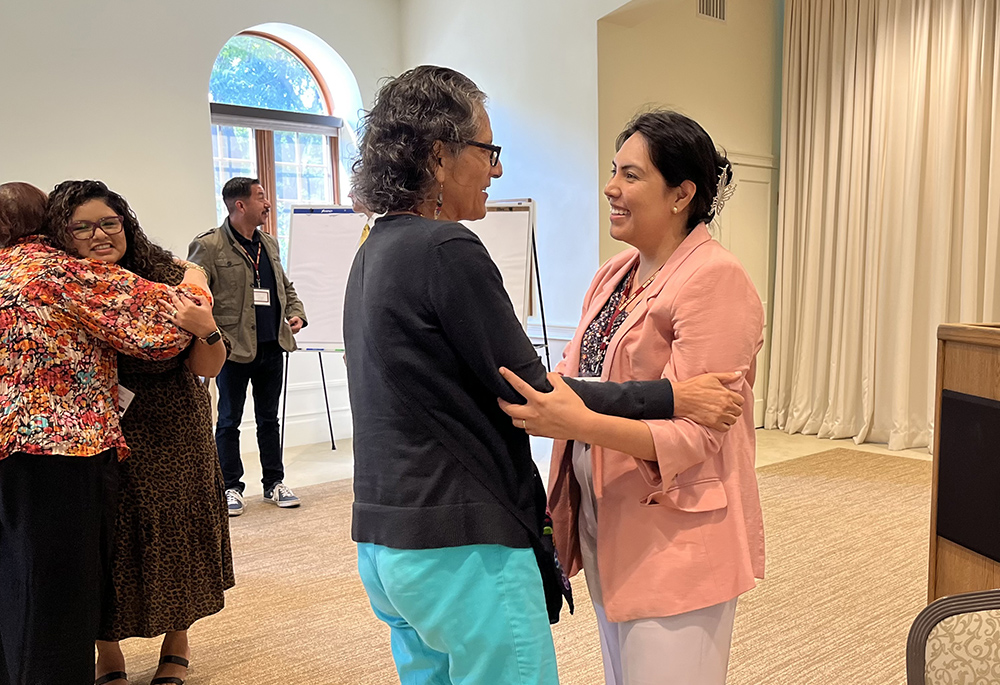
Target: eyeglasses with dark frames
{"points": [[494, 150], [84, 230]]}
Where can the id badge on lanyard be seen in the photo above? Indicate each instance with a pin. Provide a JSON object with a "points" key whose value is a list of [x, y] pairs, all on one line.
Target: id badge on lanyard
{"points": [[261, 296]]}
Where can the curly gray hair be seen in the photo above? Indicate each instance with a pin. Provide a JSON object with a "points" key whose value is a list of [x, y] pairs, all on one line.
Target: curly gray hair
{"points": [[396, 168]]}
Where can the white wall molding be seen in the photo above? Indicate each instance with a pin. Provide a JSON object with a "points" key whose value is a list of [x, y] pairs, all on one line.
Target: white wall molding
{"points": [[317, 385], [559, 333], [305, 415], [744, 159]]}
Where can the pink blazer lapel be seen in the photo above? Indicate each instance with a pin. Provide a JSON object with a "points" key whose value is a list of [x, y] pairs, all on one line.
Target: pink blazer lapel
{"points": [[697, 237], [601, 296]]}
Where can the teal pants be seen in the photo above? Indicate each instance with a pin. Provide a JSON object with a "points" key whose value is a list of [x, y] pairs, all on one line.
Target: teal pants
{"points": [[472, 615]]}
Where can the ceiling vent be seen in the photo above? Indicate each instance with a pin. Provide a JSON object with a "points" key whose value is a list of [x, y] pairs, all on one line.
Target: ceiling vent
{"points": [[713, 9]]}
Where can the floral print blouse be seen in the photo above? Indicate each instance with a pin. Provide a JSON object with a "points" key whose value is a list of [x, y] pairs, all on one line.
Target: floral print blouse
{"points": [[595, 340], [62, 320]]}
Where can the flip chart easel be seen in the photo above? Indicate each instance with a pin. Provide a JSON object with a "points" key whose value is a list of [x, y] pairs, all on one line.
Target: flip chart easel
{"points": [[324, 240]]}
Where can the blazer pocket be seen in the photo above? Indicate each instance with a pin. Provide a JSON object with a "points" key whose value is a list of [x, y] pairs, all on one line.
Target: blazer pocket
{"points": [[700, 496]]}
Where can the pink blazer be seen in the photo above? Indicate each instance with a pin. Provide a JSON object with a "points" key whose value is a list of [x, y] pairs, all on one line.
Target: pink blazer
{"points": [[685, 532]]}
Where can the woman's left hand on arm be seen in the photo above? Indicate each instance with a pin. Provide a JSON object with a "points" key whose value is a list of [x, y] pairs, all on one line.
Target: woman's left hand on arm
{"points": [[193, 314], [559, 414]]}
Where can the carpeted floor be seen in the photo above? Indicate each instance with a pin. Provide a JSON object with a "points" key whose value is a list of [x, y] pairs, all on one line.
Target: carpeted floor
{"points": [[847, 563]]}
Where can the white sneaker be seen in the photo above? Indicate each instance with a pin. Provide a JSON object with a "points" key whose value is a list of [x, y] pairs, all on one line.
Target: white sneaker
{"points": [[234, 501], [281, 495]]}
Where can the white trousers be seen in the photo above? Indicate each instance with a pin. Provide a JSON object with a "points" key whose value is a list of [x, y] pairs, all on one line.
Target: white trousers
{"points": [[687, 649]]}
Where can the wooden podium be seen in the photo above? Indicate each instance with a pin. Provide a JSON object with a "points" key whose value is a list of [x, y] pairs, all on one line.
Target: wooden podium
{"points": [[965, 505]]}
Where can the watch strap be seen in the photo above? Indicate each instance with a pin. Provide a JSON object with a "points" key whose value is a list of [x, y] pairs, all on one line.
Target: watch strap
{"points": [[212, 338]]}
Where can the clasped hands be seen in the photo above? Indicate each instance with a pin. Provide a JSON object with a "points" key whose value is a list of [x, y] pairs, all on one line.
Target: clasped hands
{"points": [[193, 313]]}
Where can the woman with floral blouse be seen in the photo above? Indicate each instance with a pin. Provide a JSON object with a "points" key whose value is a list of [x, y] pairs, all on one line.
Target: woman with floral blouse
{"points": [[62, 321]]}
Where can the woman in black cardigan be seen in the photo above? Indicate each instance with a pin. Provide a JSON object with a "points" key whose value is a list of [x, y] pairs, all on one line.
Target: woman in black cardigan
{"points": [[449, 508]]}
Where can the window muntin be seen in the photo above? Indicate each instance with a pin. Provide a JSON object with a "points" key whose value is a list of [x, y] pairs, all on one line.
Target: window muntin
{"points": [[303, 175], [233, 154]]}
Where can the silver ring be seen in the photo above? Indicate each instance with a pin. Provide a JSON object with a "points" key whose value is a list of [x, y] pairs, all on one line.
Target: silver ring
{"points": [[174, 314]]}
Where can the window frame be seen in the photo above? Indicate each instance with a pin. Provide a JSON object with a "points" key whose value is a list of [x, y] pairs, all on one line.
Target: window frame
{"points": [[264, 122]]}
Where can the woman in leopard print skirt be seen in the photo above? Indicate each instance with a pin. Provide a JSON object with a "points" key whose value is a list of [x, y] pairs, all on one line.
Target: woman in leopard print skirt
{"points": [[173, 561]]}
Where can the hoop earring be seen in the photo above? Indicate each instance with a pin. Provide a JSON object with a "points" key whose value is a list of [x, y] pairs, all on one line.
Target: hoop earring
{"points": [[440, 201]]}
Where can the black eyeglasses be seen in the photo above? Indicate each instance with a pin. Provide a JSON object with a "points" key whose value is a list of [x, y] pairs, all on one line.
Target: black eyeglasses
{"points": [[494, 150], [84, 230]]}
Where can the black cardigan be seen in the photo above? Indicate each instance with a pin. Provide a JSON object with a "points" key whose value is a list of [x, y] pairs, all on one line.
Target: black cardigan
{"points": [[427, 324]]}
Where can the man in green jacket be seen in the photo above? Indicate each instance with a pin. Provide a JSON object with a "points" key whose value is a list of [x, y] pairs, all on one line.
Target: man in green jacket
{"points": [[258, 310]]}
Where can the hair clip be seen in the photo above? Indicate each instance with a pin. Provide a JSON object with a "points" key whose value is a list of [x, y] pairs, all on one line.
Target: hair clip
{"points": [[722, 194]]}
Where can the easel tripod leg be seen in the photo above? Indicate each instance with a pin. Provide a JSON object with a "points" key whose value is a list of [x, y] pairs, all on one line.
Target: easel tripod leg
{"points": [[284, 405], [326, 399]]}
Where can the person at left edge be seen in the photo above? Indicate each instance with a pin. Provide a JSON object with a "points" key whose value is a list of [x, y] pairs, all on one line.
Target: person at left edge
{"points": [[62, 320], [258, 310]]}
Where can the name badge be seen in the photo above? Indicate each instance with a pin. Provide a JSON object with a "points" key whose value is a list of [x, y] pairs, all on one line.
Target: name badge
{"points": [[262, 297], [125, 397]]}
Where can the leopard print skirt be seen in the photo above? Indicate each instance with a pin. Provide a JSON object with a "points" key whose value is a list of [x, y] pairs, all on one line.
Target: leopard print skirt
{"points": [[173, 561]]}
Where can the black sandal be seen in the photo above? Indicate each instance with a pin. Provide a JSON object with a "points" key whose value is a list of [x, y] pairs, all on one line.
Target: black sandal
{"points": [[108, 677], [170, 680]]}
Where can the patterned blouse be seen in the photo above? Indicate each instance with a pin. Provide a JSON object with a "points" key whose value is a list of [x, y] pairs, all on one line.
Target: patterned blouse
{"points": [[62, 320], [594, 344]]}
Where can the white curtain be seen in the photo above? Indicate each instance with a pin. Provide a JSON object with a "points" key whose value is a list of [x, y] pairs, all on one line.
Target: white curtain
{"points": [[889, 216]]}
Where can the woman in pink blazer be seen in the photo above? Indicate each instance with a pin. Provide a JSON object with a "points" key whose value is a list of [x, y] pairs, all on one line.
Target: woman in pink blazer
{"points": [[664, 516]]}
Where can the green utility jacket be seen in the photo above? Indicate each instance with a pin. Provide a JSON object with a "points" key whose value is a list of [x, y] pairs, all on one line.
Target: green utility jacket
{"points": [[230, 276]]}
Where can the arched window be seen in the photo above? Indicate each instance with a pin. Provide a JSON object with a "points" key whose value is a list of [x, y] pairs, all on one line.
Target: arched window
{"points": [[271, 119], [257, 72]]}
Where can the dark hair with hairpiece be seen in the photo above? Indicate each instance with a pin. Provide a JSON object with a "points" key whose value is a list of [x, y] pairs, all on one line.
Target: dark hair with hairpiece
{"points": [[681, 150], [22, 210], [396, 167], [142, 256], [237, 188]]}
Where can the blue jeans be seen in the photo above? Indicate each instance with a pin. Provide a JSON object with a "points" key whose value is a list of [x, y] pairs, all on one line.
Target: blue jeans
{"points": [[462, 615], [264, 373]]}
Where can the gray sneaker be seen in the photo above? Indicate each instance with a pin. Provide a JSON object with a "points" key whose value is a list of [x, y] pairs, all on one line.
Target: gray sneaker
{"points": [[281, 495], [234, 501]]}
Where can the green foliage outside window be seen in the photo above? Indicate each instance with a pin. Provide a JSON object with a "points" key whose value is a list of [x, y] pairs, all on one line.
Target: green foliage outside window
{"points": [[255, 72]]}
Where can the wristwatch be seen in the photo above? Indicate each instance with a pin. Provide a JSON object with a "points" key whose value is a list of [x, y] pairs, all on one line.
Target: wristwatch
{"points": [[212, 338]]}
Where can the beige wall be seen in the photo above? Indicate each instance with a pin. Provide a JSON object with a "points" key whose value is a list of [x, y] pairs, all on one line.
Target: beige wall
{"points": [[727, 76], [537, 61], [134, 111], [118, 90]]}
